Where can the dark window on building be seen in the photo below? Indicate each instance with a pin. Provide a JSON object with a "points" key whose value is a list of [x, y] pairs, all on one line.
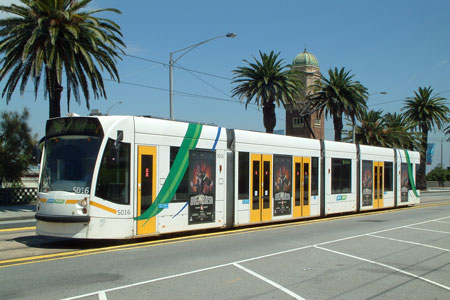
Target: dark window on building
{"points": [[314, 176], [298, 122], [113, 182], [243, 176], [182, 193], [341, 176], [388, 176]]}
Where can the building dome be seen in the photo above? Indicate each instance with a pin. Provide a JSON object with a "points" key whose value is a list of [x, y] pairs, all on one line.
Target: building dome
{"points": [[305, 59]]}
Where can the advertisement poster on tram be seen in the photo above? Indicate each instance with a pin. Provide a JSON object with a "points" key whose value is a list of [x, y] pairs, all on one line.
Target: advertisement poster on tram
{"points": [[282, 185], [367, 183], [405, 185], [202, 175]]}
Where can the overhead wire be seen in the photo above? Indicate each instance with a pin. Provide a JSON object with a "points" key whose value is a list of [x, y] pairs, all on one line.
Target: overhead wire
{"points": [[403, 99], [191, 71]]}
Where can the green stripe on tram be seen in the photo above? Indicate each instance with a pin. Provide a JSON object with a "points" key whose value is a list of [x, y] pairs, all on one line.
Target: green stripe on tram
{"points": [[176, 172], [410, 173]]}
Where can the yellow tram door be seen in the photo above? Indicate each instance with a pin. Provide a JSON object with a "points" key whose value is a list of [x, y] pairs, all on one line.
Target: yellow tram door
{"points": [[302, 183], [261, 187], [146, 187], [378, 184]]}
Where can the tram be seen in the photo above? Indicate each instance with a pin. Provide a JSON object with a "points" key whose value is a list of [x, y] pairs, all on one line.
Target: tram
{"points": [[123, 177]]}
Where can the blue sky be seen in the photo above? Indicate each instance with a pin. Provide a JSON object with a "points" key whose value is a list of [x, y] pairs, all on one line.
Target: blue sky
{"points": [[392, 46]]}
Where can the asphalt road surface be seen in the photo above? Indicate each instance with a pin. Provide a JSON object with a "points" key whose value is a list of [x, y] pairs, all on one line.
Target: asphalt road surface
{"points": [[394, 254]]}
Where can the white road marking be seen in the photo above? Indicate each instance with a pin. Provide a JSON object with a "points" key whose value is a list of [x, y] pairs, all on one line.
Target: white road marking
{"points": [[380, 231], [442, 222], [151, 281], [430, 230], [102, 295], [385, 266], [409, 242], [285, 290], [255, 258], [272, 254]]}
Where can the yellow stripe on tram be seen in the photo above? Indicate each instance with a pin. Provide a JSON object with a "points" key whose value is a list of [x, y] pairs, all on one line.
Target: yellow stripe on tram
{"points": [[101, 206]]}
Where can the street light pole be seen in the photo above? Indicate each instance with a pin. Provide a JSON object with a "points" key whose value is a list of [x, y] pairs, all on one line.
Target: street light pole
{"points": [[171, 84], [172, 62], [109, 109]]}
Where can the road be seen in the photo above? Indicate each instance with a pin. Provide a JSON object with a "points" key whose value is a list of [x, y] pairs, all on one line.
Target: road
{"points": [[395, 254]]}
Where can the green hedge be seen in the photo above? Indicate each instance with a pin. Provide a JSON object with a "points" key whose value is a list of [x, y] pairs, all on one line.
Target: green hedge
{"points": [[439, 174]]}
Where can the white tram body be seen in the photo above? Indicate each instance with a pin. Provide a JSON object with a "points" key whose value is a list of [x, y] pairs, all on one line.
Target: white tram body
{"points": [[288, 194], [340, 177], [118, 177]]}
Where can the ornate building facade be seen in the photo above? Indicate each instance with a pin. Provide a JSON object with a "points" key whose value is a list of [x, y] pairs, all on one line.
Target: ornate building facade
{"points": [[308, 66]]}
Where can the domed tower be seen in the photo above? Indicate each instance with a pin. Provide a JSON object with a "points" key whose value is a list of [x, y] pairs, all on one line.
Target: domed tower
{"points": [[308, 66]]}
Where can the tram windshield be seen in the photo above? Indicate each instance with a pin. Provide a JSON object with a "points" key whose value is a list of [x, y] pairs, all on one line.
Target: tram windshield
{"points": [[69, 163]]}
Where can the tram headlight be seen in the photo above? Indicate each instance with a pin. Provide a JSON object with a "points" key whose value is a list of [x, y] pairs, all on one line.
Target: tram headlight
{"points": [[83, 203]]}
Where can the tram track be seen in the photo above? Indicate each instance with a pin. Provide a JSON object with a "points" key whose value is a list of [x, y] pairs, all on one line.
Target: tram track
{"points": [[19, 247]]}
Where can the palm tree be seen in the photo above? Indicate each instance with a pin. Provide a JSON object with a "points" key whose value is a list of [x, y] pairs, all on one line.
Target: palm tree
{"points": [[427, 111], [400, 131], [371, 130], [52, 38], [389, 130], [268, 82], [340, 96]]}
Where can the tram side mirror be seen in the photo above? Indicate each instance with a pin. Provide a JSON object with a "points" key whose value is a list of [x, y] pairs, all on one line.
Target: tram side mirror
{"points": [[115, 150], [119, 138]]}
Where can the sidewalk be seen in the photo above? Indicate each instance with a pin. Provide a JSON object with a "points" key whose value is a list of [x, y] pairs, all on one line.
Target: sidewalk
{"points": [[17, 212]]}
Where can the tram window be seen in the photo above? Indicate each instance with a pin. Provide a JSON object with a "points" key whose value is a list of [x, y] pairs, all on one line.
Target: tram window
{"points": [[314, 176], [298, 171], [113, 182], [341, 176], [255, 185], [182, 193], [388, 176], [244, 175]]}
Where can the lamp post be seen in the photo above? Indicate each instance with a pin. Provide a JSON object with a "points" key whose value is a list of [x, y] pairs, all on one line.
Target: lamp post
{"points": [[382, 93], [109, 109], [172, 62]]}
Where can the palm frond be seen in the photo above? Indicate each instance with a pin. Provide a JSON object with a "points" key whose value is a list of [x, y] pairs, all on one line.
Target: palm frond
{"points": [[55, 38]]}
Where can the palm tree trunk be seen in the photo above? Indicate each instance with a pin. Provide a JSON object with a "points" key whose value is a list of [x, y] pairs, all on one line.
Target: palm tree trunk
{"points": [[422, 180], [54, 93], [337, 122], [269, 118]]}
